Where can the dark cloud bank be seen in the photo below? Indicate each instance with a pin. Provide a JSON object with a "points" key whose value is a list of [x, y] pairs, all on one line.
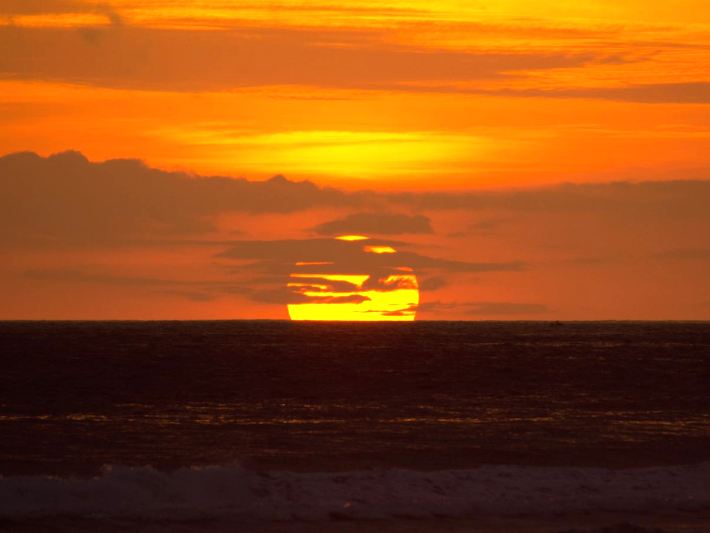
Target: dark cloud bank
{"points": [[65, 198], [67, 201], [346, 257]]}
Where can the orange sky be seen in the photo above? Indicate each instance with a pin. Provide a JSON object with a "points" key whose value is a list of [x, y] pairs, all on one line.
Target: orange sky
{"points": [[392, 96]]}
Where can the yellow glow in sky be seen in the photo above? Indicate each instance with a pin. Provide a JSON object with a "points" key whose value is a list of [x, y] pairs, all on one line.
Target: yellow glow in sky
{"points": [[351, 154], [380, 249], [352, 238]]}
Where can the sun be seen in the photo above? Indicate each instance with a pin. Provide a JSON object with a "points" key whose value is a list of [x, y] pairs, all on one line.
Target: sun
{"points": [[382, 291]]}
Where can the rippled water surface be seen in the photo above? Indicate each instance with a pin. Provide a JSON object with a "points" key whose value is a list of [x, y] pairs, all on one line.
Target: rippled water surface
{"points": [[318, 396]]}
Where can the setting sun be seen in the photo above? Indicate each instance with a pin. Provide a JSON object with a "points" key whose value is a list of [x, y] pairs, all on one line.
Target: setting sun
{"points": [[382, 295]]}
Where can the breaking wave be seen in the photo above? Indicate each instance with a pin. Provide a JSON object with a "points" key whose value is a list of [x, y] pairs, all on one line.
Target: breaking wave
{"points": [[231, 491]]}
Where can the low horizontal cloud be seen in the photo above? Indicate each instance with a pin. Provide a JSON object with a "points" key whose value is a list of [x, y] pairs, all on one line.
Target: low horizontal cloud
{"points": [[284, 295], [655, 199], [486, 226], [694, 92], [505, 308], [688, 92], [174, 59], [80, 276], [375, 224], [333, 256], [310, 263], [269, 291], [484, 308], [387, 284], [432, 283], [698, 254], [197, 290], [325, 284]]}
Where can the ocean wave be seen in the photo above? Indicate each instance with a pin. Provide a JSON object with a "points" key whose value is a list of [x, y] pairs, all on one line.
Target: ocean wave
{"points": [[234, 491]]}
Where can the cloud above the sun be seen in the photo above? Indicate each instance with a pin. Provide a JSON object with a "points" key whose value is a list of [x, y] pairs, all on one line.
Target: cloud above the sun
{"points": [[67, 206], [375, 223]]}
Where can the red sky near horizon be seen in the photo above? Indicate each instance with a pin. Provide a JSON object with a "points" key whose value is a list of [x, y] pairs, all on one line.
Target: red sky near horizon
{"points": [[466, 122]]}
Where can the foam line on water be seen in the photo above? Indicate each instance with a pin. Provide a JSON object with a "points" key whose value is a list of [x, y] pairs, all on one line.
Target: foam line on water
{"points": [[231, 490]]}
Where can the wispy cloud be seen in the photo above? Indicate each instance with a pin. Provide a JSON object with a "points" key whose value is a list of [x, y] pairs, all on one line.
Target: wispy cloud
{"points": [[656, 199], [485, 308], [175, 59], [694, 92], [332, 256], [689, 254]]}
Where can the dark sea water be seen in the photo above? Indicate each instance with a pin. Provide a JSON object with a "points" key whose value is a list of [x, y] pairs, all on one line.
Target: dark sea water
{"points": [[423, 417]]}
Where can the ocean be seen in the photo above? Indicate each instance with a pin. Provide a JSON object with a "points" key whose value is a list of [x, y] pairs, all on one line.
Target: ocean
{"points": [[297, 426]]}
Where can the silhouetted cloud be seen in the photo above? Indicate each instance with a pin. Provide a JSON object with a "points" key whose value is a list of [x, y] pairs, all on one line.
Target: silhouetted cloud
{"points": [[399, 312], [375, 224], [283, 295], [485, 308], [271, 291], [387, 284], [102, 278], [66, 198], [325, 285], [196, 290], [505, 308], [690, 92], [193, 296], [433, 283], [484, 226], [686, 254], [695, 92], [332, 256], [657, 199], [309, 262]]}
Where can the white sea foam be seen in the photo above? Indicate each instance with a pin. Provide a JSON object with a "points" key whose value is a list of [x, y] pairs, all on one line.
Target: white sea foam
{"points": [[224, 491]]}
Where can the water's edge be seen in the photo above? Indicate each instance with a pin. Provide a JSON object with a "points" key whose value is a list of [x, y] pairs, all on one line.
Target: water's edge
{"points": [[234, 491]]}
